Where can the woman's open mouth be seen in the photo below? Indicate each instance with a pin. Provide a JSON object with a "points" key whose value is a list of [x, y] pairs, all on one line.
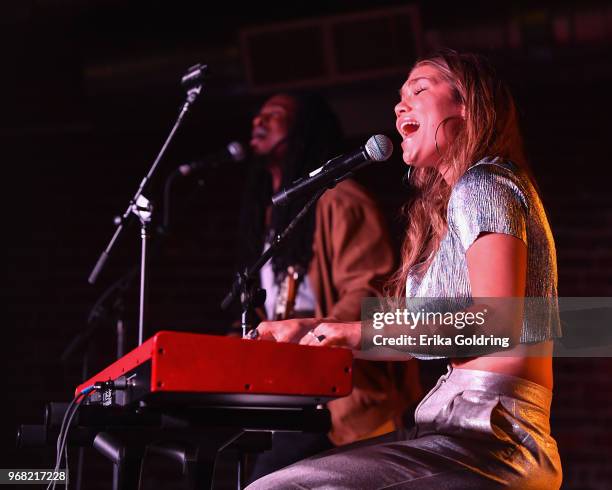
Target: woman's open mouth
{"points": [[409, 127]]}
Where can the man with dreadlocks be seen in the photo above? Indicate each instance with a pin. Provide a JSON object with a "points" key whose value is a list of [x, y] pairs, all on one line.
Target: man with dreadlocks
{"points": [[339, 254]]}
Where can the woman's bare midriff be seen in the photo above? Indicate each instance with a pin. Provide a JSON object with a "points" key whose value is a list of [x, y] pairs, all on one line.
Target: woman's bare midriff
{"points": [[531, 362]]}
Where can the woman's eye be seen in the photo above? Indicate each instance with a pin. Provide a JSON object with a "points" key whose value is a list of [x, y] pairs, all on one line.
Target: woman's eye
{"points": [[419, 90]]}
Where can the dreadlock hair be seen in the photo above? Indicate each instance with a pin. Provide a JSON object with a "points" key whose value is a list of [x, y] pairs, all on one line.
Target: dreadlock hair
{"points": [[315, 137]]}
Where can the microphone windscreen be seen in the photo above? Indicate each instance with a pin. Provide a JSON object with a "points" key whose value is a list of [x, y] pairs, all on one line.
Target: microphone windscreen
{"points": [[379, 148], [236, 151]]}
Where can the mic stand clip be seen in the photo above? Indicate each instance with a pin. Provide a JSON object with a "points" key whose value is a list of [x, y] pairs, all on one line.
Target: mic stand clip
{"points": [[244, 287]]}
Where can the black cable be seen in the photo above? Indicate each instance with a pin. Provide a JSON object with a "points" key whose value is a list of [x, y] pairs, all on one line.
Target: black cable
{"points": [[73, 407], [63, 433]]}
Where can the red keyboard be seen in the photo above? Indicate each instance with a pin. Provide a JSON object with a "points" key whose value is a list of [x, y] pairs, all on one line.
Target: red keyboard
{"points": [[224, 371]]}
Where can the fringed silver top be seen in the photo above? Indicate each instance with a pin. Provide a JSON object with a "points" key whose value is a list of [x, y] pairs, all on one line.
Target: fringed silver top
{"points": [[493, 196]]}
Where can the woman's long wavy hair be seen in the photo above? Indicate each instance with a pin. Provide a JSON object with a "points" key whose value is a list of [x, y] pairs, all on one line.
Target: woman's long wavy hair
{"points": [[490, 128]]}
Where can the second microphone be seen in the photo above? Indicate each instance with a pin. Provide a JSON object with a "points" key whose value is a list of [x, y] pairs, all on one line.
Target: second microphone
{"points": [[377, 149]]}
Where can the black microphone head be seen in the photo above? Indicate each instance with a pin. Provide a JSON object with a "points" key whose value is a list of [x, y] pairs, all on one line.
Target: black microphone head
{"points": [[236, 151], [195, 75], [379, 148], [233, 152]]}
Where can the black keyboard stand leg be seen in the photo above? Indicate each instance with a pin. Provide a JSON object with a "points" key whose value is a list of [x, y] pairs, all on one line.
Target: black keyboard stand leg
{"points": [[198, 457], [247, 442], [241, 469], [196, 452], [126, 458]]}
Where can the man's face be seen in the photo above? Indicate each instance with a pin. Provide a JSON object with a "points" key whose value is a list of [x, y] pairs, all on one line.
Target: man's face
{"points": [[272, 124]]}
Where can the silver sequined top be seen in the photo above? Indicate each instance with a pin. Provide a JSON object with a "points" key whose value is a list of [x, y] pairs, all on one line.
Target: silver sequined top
{"points": [[493, 196]]}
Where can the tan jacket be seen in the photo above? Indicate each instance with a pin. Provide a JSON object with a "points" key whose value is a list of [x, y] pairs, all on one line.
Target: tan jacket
{"points": [[352, 259]]}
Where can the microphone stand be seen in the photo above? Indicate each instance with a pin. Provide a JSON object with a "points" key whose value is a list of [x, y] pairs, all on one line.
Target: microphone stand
{"points": [[244, 286], [98, 314], [139, 205], [101, 312]]}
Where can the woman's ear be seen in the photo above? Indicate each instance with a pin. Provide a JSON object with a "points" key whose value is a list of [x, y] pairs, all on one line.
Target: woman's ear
{"points": [[462, 111]]}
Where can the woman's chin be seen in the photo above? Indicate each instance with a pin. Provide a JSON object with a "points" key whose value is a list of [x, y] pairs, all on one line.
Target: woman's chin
{"points": [[419, 161], [411, 161], [415, 159], [408, 159]]}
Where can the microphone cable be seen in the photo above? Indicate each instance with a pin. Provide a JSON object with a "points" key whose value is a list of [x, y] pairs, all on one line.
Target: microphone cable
{"points": [[62, 438]]}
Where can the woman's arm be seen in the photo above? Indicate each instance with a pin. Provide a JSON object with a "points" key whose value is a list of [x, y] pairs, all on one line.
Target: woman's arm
{"points": [[497, 266]]}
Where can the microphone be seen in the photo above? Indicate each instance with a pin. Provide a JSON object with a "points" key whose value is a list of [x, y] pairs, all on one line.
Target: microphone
{"points": [[195, 76], [377, 149], [233, 152]]}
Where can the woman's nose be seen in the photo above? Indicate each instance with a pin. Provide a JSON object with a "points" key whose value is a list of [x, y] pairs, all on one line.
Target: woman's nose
{"points": [[401, 108]]}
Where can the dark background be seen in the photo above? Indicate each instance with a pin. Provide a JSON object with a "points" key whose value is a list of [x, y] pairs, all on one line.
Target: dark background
{"points": [[89, 91]]}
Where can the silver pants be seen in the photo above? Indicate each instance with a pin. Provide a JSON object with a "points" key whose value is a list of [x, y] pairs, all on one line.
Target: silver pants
{"points": [[474, 429]]}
